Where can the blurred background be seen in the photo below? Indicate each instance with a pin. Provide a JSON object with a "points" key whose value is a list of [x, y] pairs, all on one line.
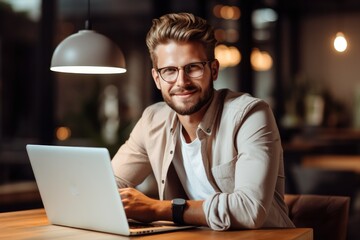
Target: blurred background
{"points": [[284, 52]]}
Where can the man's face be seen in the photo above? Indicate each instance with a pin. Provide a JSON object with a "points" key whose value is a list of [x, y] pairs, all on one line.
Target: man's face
{"points": [[186, 95]]}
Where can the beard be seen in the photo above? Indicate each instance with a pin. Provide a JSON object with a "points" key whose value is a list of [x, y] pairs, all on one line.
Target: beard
{"points": [[192, 108]]}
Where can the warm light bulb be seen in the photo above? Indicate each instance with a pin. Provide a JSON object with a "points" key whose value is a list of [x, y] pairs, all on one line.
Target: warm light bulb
{"points": [[63, 133], [340, 43], [227, 56], [260, 60]]}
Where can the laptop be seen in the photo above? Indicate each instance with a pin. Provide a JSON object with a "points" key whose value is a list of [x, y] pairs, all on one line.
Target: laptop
{"points": [[78, 189]]}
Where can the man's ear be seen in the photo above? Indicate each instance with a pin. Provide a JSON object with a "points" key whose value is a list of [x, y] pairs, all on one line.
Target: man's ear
{"points": [[156, 78], [215, 65]]}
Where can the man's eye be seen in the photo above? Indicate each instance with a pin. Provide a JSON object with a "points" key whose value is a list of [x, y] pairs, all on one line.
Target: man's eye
{"points": [[169, 70], [193, 67]]}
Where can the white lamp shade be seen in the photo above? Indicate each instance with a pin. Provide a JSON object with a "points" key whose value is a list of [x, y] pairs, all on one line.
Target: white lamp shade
{"points": [[88, 52]]}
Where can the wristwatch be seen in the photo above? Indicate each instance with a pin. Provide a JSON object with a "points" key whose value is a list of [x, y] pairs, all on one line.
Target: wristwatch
{"points": [[178, 207]]}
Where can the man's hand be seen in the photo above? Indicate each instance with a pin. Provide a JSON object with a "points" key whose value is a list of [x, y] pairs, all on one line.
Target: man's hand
{"points": [[142, 208]]}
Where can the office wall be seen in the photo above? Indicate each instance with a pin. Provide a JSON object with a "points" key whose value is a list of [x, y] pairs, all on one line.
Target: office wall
{"points": [[338, 73]]}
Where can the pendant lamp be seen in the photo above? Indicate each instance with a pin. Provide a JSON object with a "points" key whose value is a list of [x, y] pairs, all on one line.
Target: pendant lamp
{"points": [[88, 52]]}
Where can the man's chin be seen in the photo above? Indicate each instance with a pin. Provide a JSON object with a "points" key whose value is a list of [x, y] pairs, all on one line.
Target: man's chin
{"points": [[186, 110]]}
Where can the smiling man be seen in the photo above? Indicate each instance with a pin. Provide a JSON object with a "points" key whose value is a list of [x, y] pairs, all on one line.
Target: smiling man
{"points": [[216, 154]]}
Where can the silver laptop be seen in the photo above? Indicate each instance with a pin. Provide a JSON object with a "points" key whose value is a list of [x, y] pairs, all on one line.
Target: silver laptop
{"points": [[78, 189]]}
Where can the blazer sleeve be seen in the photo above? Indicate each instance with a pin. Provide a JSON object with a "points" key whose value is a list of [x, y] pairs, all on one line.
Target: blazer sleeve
{"points": [[131, 163]]}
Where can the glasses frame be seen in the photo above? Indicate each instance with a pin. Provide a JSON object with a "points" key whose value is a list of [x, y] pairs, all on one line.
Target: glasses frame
{"points": [[183, 67]]}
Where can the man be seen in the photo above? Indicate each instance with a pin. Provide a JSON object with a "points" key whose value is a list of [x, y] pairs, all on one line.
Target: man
{"points": [[219, 150]]}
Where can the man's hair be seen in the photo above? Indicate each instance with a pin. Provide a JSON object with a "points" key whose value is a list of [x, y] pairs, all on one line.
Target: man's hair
{"points": [[180, 27]]}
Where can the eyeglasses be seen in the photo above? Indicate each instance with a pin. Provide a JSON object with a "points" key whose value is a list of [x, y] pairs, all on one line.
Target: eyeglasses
{"points": [[192, 70]]}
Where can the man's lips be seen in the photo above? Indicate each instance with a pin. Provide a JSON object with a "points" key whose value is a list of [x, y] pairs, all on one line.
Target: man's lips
{"points": [[183, 92]]}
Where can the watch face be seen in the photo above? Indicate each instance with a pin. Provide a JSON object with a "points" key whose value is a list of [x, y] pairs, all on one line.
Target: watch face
{"points": [[179, 201]]}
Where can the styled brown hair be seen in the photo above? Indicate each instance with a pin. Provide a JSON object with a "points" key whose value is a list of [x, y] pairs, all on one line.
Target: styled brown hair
{"points": [[180, 27]]}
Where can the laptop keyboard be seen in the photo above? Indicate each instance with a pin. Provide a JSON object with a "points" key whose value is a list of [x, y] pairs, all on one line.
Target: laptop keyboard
{"points": [[137, 225]]}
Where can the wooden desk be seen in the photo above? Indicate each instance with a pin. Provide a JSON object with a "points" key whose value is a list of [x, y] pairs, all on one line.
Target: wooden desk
{"points": [[33, 224]]}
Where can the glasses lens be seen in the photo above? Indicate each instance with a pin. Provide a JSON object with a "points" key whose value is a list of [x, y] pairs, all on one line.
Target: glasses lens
{"points": [[169, 74], [194, 70]]}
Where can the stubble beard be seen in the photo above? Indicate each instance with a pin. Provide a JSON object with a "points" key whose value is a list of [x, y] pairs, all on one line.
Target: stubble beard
{"points": [[188, 110]]}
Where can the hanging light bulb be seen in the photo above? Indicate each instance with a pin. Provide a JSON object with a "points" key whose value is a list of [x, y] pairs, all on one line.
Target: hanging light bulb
{"points": [[88, 52], [340, 42], [260, 60]]}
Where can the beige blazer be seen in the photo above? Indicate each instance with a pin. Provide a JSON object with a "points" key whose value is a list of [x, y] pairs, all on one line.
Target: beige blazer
{"points": [[242, 156]]}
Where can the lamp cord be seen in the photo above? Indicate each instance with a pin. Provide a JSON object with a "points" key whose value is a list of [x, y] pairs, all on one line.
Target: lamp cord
{"points": [[88, 21]]}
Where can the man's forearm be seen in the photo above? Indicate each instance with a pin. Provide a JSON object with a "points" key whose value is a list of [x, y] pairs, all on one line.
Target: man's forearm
{"points": [[142, 208], [193, 213]]}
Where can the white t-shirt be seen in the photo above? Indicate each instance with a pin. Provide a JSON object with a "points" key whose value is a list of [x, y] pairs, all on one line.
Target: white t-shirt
{"points": [[190, 169]]}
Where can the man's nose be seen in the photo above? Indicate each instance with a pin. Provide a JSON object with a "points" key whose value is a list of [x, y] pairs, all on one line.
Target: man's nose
{"points": [[182, 78]]}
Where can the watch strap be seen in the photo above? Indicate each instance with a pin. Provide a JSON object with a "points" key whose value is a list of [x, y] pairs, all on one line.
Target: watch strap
{"points": [[178, 207]]}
